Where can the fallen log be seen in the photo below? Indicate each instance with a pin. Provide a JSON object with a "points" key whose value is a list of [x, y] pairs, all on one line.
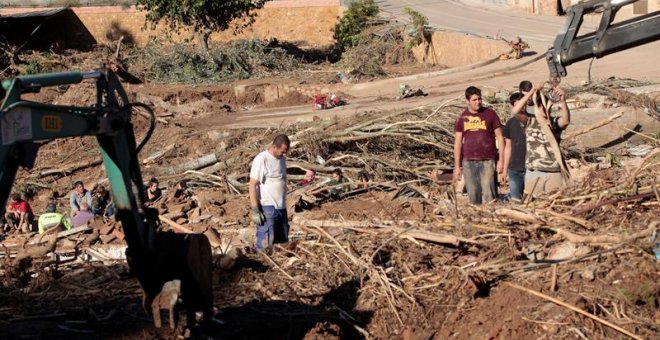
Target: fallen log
{"points": [[518, 215], [61, 234], [158, 154], [194, 164], [395, 226], [575, 238], [175, 226], [71, 168]]}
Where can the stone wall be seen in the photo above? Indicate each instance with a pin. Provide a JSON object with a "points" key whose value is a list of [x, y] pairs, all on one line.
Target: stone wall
{"points": [[452, 49], [305, 22]]}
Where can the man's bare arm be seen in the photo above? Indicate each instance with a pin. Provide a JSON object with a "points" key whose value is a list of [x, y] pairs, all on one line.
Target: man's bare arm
{"points": [[564, 113], [500, 142], [253, 186], [458, 148], [507, 154]]}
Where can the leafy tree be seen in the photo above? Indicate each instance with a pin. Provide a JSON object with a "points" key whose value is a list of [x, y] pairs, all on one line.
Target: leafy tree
{"points": [[349, 27], [202, 16]]}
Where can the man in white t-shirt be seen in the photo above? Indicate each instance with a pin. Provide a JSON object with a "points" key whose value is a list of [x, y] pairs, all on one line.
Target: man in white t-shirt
{"points": [[268, 193]]}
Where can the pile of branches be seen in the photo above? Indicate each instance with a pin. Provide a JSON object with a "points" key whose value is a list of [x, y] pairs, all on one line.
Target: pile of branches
{"points": [[187, 64], [397, 276], [377, 46]]}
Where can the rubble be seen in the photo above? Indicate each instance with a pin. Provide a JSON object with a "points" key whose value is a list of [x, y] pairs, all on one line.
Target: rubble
{"points": [[402, 255]]}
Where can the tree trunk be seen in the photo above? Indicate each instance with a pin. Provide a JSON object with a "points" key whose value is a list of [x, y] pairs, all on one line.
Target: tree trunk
{"points": [[203, 38]]}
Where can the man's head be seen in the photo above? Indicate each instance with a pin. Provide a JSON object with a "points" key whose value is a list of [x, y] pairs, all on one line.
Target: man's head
{"points": [[337, 174], [99, 190], [514, 98], [473, 99], [153, 183], [181, 185], [15, 197], [51, 207], [524, 87], [280, 146], [79, 187]]}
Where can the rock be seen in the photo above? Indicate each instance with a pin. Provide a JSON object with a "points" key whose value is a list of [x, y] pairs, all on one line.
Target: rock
{"points": [[118, 234], [193, 215], [589, 273], [107, 238], [567, 250], [106, 230]]}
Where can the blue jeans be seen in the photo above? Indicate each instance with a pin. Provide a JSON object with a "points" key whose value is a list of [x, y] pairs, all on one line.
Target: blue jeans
{"points": [[276, 228], [516, 183], [480, 181]]}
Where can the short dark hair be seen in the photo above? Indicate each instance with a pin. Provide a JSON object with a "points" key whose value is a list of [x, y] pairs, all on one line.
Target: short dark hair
{"points": [[281, 139], [337, 171], [15, 197], [525, 86], [515, 97], [153, 180], [472, 90], [78, 183]]}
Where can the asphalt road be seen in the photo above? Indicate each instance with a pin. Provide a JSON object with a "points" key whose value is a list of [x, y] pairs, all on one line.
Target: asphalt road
{"points": [[471, 16], [475, 18]]}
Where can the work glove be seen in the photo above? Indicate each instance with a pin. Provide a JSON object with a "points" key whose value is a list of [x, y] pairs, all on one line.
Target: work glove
{"points": [[258, 217]]}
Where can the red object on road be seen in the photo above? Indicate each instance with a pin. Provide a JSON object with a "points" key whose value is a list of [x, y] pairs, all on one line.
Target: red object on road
{"points": [[320, 102]]}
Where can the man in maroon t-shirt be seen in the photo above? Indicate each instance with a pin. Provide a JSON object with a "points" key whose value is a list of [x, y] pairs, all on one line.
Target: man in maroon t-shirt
{"points": [[474, 148]]}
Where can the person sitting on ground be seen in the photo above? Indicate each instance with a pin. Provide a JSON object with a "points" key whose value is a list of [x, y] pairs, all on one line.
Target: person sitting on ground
{"points": [[52, 219], [337, 183], [153, 191], [79, 196], [310, 176], [180, 192], [102, 204], [19, 214], [83, 216]]}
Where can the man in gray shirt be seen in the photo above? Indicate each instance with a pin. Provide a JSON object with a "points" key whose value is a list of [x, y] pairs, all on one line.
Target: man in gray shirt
{"points": [[268, 188]]}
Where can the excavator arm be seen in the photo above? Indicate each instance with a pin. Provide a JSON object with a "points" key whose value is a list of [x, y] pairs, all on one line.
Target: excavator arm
{"points": [[610, 38], [154, 256]]}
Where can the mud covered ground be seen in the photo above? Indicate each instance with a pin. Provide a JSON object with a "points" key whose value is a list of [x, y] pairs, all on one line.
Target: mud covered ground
{"points": [[407, 258]]}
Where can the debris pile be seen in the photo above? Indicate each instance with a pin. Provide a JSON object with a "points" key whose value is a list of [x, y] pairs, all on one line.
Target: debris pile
{"points": [[401, 254]]}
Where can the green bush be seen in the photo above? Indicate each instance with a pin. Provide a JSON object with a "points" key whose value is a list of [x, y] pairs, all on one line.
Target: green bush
{"points": [[349, 27]]}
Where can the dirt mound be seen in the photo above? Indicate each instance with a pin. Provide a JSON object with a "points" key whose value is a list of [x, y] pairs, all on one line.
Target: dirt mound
{"points": [[293, 98]]}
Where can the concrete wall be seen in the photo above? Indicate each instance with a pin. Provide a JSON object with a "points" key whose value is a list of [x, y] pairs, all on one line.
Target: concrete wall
{"points": [[306, 22], [452, 49], [616, 131]]}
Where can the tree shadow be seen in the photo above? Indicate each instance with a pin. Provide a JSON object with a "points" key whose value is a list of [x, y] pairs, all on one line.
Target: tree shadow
{"points": [[46, 30], [621, 139], [116, 31], [312, 55], [335, 314], [100, 301]]}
